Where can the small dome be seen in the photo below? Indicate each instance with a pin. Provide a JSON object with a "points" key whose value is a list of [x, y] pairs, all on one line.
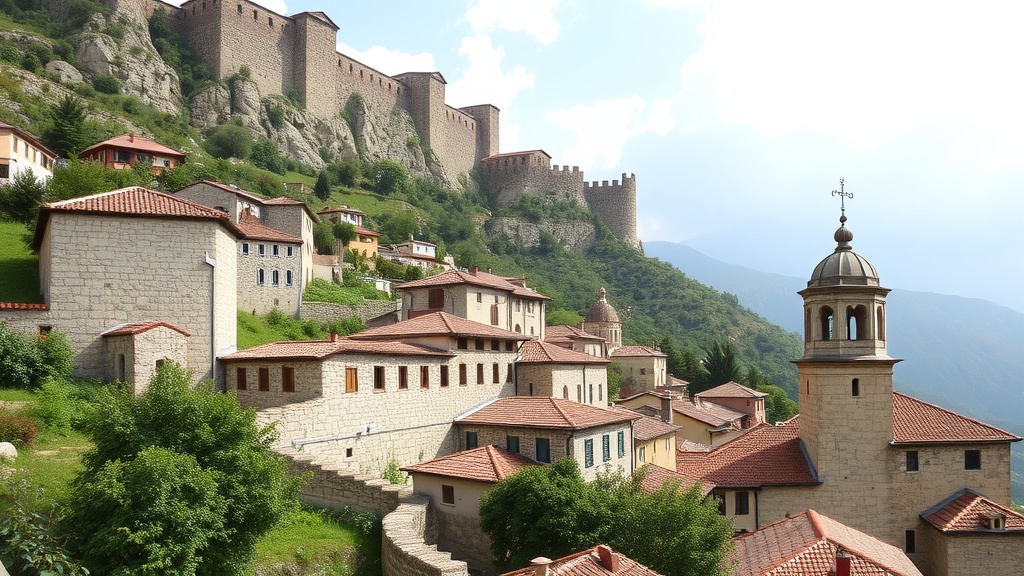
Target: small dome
{"points": [[844, 267], [602, 311]]}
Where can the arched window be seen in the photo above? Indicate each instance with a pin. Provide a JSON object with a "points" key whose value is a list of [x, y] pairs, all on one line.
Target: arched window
{"points": [[856, 322], [881, 323], [600, 397], [591, 393], [519, 329], [855, 387], [807, 325], [565, 392], [826, 316]]}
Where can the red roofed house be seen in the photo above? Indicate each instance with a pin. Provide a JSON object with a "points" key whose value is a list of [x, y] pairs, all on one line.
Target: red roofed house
{"points": [[480, 296], [740, 398], [810, 544], [545, 369], [597, 561], [123, 151], [455, 484], [135, 256], [702, 422], [860, 453], [20, 151], [576, 339], [654, 441], [547, 429], [643, 368], [137, 350], [365, 242], [971, 534]]}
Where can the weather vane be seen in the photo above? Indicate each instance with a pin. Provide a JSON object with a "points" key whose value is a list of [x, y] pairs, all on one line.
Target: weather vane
{"points": [[843, 195]]}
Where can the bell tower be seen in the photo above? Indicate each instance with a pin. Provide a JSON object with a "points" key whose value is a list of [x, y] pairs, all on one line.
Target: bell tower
{"points": [[845, 378]]}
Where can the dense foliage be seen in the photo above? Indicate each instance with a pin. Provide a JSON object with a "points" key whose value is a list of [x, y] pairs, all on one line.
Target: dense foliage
{"points": [[27, 362], [551, 511], [180, 481], [352, 290]]}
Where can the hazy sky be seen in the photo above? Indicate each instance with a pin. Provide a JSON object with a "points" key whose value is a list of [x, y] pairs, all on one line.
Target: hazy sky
{"points": [[739, 118]]}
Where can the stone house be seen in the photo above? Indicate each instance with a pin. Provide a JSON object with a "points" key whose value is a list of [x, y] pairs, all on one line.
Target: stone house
{"points": [[343, 214], [544, 369], [269, 269], [285, 215], [546, 429], [416, 253], [643, 368], [365, 242], [576, 339], [122, 152], [654, 442], [740, 398], [128, 257], [597, 561], [701, 422], [20, 151], [455, 484], [811, 544], [479, 296], [967, 526], [137, 350]]}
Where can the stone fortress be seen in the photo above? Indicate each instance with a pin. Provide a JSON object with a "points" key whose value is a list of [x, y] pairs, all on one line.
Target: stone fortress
{"points": [[297, 55]]}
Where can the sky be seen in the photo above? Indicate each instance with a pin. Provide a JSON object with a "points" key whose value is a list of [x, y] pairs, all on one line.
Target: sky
{"points": [[740, 117]]}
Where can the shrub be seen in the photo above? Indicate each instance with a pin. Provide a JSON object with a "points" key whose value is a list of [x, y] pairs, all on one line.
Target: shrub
{"points": [[230, 140], [28, 545], [389, 177], [244, 72], [63, 405], [266, 155], [20, 359], [106, 84], [18, 430], [392, 473], [31, 63], [275, 113], [276, 318], [56, 355]]}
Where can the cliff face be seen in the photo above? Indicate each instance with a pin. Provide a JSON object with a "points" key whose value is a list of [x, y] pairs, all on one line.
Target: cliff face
{"points": [[575, 235]]}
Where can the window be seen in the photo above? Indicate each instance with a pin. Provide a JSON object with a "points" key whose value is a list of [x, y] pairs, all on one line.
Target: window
{"points": [[241, 383], [447, 495], [264, 379], [462, 344], [444, 376], [495, 377], [122, 156], [287, 379], [972, 459], [43, 330], [565, 392], [435, 298], [910, 546], [288, 278], [591, 393], [512, 444], [378, 378], [742, 503], [622, 444], [529, 307], [912, 461], [519, 304], [259, 277], [606, 448], [721, 504], [494, 314], [495, 344], [543, 450], [508, 345], [478, 344], [588, 453], [261, 249], [289, 252], [643, 371], [276, 250], [424, 376], [855, 387], [403, 377], [600, 394], [351, 380], [471, 440], [275, 278], [462, 375], [479, 298], [642, 453], [245, 248], [479, 373]]}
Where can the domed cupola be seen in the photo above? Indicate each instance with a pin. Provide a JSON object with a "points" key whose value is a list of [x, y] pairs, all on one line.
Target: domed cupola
{"points": [[602, 311], [843, 267], [602, 320]]}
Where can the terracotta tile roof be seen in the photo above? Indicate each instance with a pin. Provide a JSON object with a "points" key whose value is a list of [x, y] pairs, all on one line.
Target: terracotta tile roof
{"points": [[228, 188], [283, 201], [30, 138], [918, 422], [134, 201], [655, 477], [655, 393], [134, 143], [344, 209], [806, 545], [568, 332], [731, 390], [588, 563], [365, 232], [649, 426], [484, 464], [968, 511], [254, 230], [484, 279], [637, 351], [23, 306], [321, 349], [139, 328], [765, 455], [534, 352], [674, 382], [544, 412], [437, 324], [708, 412]]}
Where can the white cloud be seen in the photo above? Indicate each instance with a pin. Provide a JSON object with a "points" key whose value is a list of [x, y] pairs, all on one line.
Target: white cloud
{"points": [[534, 17], [603, 128], [390, 61], [483, 80]]}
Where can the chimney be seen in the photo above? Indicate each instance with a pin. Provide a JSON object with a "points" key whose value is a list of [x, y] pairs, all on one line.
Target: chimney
{"points": [[666, 408], [842, 563], [131, 137], [609, 559], [474, 270], [540, 565], [334, 336]]}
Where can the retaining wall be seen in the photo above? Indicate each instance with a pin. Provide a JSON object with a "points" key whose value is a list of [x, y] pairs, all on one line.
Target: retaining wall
{"points": [[406, 547], [329, 311]]}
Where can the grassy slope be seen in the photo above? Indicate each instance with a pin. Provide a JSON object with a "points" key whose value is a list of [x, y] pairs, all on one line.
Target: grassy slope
{"points": [[19, 267]]}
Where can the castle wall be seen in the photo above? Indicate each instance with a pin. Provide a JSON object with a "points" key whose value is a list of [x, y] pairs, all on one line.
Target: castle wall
{"points": [[615, 203], [314, 56], [486, 117], [510, 177]]}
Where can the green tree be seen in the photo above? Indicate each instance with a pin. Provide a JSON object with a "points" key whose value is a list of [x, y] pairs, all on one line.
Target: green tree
{"points": [[56, 355], [197, 449], [229, 140], [344, 232], [21, 363], [322, 188], [78, 178], [389, 177], [721, 364], [19, 200], [398, 226], [186, 174], [614, 380], [266, 155], [778, 406], [323, 237], [67, 135]]}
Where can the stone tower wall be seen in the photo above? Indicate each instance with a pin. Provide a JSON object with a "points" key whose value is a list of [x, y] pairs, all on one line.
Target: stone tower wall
{"points": [[314, 55], [511, 177], [615, 203], [486, 117]]}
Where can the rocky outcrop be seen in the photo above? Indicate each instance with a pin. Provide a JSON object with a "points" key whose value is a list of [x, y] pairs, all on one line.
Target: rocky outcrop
{"points": [[130, 58], [575, 235], [63, 72]]}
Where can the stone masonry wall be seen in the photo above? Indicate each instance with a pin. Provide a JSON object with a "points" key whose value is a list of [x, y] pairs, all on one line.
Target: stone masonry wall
{"points": [[507, 182], [615, 203], [575, 235], [405, 550], [285, 294], [329, 311], [335, 489]]}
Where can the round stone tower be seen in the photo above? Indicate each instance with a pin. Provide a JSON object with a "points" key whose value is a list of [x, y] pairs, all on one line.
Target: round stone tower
{"points": [[603, 321]]}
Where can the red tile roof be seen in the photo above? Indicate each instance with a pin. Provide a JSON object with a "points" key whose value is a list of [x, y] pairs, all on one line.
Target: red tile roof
{"points": [[918, 422], [520, 153], [806, 545], [535, 352], [649, 427], [968, 511], [134, 201], [254, 230], [365, 232], [345, 209], [23, 306], [655, 477], [484, 464], [765, 455], [731, 390], [563, 331], [588, 563], [437, 324], [278, 201], [484, 279], [544, 412], [321, 349], [134, 143], [708, 412], [637, 351], [139, 328]]}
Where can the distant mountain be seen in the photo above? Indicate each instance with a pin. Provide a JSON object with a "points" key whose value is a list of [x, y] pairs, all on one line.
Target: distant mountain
{"points": [[963, 354]]}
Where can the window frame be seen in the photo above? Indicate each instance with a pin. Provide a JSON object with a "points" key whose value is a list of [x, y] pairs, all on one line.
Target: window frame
{"points": [[741, 503], [264, 379], [622, 443], [241, 379], [972, 459], [912, 461], [424, 377], [588, 453], [444, 376], [288, 379], [403, 377], [447, 495], [512, 443], [472, 439], [543, 455], [379, 379], [606, 448], [351, 380]]}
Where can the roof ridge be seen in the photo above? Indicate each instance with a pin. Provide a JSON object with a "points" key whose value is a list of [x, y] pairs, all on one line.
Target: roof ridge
{"points": [[957, 414], [492, 457], [561, 412], [816, 523]]}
